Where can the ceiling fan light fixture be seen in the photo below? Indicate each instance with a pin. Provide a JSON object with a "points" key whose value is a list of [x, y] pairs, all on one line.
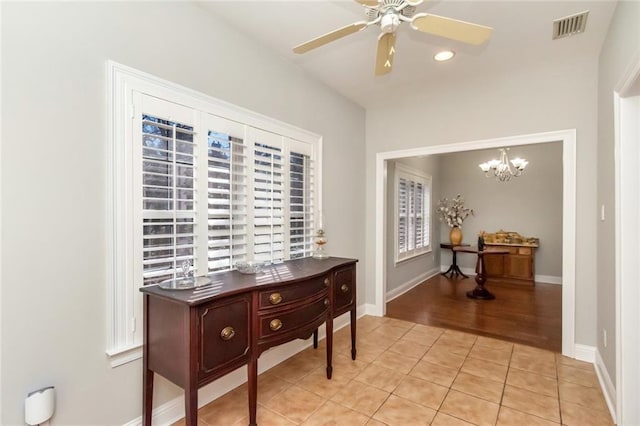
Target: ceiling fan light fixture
{"points": [[389, 15], [389, 22], [444, 55]]}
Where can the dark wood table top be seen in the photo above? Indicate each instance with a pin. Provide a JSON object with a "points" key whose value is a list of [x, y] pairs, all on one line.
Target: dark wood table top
{"points": [[451, 246], [233, 282]]}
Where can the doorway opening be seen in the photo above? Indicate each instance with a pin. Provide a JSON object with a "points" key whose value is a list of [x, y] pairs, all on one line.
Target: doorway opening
{"points": [[568, 140], [627, 237]]}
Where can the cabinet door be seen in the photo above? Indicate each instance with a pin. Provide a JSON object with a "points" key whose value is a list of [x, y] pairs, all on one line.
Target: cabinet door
{"points": [[494, 265], [344, 289], [224, 335], [520, 267]]}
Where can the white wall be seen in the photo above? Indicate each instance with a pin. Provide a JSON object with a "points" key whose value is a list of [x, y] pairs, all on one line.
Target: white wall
{"points": [[618, 51], [520, 101], [530, 204], [53, 179], [407, 271]]}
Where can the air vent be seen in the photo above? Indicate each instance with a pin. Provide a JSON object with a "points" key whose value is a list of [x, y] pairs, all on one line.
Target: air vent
{"points": [[570, 25]]}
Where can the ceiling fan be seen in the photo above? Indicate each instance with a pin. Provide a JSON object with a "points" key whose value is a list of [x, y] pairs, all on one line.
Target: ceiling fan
{"points": [[388, 15]]}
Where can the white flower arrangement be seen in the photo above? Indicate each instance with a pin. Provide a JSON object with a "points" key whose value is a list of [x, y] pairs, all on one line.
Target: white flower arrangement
{"points": [[454, 212]]}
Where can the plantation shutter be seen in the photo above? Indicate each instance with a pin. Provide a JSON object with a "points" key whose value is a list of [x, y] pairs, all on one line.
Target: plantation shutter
{"points": [[168, 185], [402, 228], [246, 192], [268, 197], [426, 216], [413, 221], [227, 189], [301, 198], [419, 203]]}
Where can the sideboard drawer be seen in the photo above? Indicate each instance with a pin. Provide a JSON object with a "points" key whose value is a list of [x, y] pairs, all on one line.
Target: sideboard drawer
{"points": [[224, 334], [282, 321], [282, 296]]}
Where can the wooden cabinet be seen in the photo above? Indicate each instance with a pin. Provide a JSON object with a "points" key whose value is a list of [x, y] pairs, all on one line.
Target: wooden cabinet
{"points": [[193, 337], [519, 264]]}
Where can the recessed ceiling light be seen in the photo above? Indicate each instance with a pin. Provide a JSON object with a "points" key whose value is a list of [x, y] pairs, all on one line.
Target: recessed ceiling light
{"points": [[445, 55]]}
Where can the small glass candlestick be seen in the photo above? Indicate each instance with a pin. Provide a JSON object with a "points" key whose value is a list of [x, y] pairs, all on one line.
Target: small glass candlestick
{"points": [[320, 240]]}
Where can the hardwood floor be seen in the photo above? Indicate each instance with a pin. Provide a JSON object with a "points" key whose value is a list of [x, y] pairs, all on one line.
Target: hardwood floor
{"points": [[531, 315]]}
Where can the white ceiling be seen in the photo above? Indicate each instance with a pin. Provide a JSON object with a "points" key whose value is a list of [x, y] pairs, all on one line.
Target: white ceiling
{"points": [[521, 38]]}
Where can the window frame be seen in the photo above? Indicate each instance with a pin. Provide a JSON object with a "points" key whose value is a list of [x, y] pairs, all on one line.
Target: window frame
{"points": [[123, 298], [416, 176]]}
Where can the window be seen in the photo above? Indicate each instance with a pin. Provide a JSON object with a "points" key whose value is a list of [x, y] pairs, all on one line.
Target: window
{"points": [[196, 180], [413, 206]]}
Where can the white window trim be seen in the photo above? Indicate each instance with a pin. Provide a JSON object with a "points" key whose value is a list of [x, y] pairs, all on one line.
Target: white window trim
{"points": [[124, 302], [401, 169]]}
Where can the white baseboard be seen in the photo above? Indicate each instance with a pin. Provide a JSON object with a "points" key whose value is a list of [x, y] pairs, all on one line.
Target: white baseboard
{"points": [[173, 410], [548, 279], [608, 389], [584, 353], [402, 289], [368, 309]]}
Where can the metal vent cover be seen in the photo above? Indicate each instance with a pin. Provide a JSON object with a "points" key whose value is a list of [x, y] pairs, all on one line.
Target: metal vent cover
{"points": [[570, 25]]}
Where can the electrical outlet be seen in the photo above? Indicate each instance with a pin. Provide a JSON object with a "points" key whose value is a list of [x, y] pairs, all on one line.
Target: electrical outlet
{"points": [[604, 337]]}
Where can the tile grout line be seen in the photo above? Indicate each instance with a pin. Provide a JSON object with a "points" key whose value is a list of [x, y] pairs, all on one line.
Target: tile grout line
{"points": [[454, 379], [504, 385], [555, 361], [390, 393]]}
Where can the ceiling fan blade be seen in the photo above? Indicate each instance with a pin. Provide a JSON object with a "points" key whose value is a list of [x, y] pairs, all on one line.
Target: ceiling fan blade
{"points": [[370, 3], [386, 52], [453, 29], [329, 37]]}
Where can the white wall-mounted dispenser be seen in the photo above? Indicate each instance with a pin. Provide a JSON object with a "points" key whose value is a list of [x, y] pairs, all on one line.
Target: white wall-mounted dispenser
{"points": [[39, 405]]}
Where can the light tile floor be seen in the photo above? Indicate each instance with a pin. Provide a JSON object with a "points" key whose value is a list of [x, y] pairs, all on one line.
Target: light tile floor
{"points": [[410, 374]]}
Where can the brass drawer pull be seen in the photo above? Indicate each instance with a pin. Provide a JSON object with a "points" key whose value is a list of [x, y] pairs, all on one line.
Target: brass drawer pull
{"points": [[275, 325], [344, 288], [227, 333], [326, 282], [275, 298], [326, 302]]}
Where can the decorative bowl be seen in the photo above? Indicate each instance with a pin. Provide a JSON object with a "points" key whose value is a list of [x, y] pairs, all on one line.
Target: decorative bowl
{"points": [[184, 283], [251, 266]]}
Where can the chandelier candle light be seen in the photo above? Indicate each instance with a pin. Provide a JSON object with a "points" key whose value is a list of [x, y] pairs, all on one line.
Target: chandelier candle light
{"points": [[501, 168]]}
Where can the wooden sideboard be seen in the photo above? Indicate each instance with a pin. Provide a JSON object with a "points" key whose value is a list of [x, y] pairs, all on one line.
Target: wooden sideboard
{"points": [[193, 337], [518, 264]]}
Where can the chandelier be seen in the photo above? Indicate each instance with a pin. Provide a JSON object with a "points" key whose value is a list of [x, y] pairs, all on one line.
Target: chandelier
{"points": [[501, 169]]}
